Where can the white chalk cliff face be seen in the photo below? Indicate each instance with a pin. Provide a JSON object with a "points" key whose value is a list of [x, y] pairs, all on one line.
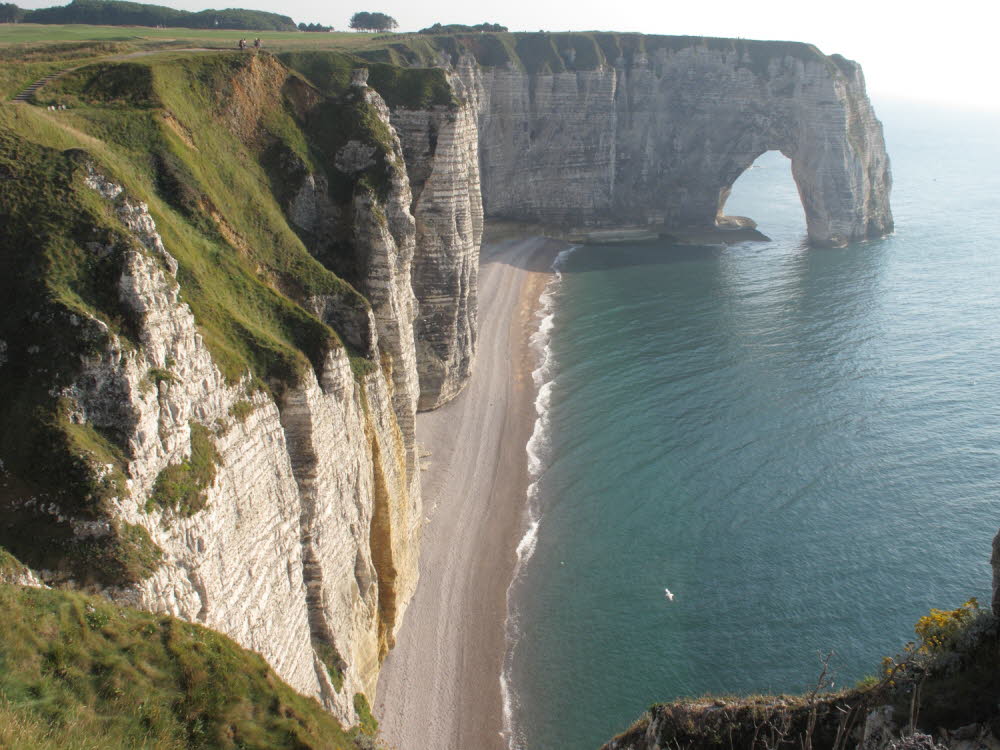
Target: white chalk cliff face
{"points": [[661, 137], [310, 533], [652, 138], [440, 147]]}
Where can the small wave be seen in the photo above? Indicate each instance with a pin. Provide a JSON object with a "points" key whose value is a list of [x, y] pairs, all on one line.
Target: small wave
{"points": [[537, 450]]}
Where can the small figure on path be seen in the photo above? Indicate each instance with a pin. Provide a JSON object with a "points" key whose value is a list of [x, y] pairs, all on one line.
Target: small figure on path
{"points": [[243, 44], [256, 43]]}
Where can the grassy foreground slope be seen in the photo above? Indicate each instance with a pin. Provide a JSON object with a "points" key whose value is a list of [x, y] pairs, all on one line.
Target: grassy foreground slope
{"points": [[77, 673]]}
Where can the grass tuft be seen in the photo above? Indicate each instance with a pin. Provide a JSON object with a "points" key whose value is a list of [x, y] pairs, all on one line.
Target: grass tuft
{"points": [[181, 488]]}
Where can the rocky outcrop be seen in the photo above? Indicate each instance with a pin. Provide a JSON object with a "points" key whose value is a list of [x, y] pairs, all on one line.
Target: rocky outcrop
{"points": [[995, 565], [839, 722]]}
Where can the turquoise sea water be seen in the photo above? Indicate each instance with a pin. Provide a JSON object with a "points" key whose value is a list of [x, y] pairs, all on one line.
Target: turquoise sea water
{"points": [[802, 444]]}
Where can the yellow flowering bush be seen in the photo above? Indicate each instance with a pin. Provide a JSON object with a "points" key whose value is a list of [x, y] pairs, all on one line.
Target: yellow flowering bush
{"points": [[939, 634], [939, 629]]}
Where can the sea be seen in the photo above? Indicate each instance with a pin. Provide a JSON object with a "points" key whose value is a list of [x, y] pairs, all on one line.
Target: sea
{"points": [[801, 444]]}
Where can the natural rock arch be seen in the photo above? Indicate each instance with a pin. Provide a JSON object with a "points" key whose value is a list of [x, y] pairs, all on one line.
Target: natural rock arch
{"points": [[707, 118], [658, 135]]}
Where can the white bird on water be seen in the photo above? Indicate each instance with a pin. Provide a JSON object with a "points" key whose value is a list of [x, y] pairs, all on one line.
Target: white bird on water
{"points": [[669, 594]]}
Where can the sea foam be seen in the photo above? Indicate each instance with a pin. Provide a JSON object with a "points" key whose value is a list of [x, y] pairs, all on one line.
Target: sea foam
{"points": [[538, 455]]}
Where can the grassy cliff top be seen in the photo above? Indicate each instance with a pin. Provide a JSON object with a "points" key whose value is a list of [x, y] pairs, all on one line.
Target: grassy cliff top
{"points": [[558, 52], [79, 672]]}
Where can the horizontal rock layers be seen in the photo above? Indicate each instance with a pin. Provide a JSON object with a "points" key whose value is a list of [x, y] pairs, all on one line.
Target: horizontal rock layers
{"points": [[644, 138], [659, 135], [440, 147], [304, 545]]}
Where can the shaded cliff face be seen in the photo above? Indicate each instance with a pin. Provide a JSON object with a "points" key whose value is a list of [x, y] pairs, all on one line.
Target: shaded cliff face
{"points": [[436, 119], [601, 129]]}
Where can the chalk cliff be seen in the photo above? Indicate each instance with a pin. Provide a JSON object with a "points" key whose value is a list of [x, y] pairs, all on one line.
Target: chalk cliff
{"points": [[589, 130], [441, 152], [229, 312], [604, 129], [277, 501]]}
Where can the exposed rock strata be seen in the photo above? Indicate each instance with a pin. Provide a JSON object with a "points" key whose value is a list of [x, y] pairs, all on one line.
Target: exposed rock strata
{"points": [[660, 137], [312, 522], [441, 153], [307, 549], [646, 139]]}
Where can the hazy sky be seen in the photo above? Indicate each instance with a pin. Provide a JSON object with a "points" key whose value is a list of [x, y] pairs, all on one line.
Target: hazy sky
{"points": [[944, 51]]}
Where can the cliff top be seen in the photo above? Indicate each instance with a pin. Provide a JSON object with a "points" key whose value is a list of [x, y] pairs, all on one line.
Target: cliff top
{"points": [[558, 52], [544, 52]]}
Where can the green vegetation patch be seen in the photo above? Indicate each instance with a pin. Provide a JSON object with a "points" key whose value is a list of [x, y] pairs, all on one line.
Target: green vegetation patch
{"points": [[215, 145], [332, 660], [241, 410], [243, 270], [579, 51], [413, 88], [330, 72], [538, 53], [59, 265], [111, 84], [181, 487], [550, 53], [158, 375], [410, 87], [10, 566], [124, 555], [493, 50], [80, 673], [368, 724]]}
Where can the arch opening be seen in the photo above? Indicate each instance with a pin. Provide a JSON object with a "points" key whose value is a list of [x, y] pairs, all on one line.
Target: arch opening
{"points": [[764, 196]]}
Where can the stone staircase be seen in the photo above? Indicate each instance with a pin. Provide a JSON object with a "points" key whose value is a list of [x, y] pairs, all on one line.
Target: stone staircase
{"points": [[26, 95]]}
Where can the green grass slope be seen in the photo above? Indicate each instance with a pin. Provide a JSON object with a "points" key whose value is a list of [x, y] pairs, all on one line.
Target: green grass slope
{"points": [[77, 673]]}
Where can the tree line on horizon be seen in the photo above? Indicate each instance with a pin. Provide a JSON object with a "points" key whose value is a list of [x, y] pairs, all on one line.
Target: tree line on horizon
{"points": [[374, 21], [123, 13], [459, 28], [369, 21]]}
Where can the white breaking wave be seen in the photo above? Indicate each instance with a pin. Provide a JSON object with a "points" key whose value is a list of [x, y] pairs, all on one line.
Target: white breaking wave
{"points": [[538, 449]]}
